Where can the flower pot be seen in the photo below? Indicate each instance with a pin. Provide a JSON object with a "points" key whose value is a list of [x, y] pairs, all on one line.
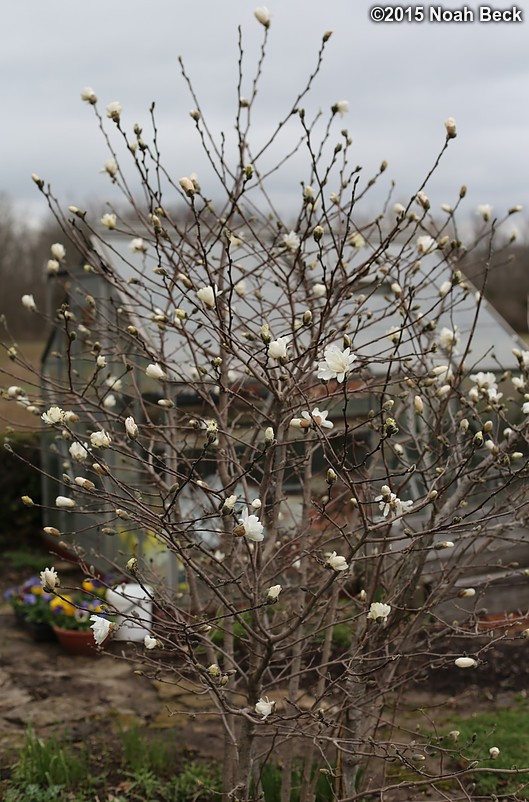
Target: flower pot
{"points": [[41, 632], [77, 641]]}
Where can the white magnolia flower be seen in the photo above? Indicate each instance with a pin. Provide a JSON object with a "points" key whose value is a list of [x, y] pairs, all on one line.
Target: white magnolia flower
{"points": [[49, 579], [319, 290], [101, 628], [149, 642], [53, 415], [14, 391], [241, 288], [137, 245], [273, 592], [154, 371], [388, 503], [494, 752], [336, 364], [28, 302], [357, 241], [379, 610], [522, 357], [465, 662], [109, 221], [426, 244], [114, 110], [448, 338], [525, 408], [131, 428], [341, 107], [493, 396], [252, 526], [58, 251], [398, 208], [263, 16], [264, 707], [110, 401], [484, 380], [445, 288], [52, 267], [110, 167], [78, 452], [277, 349], [207, 295], [101, 361], [485, 211], [445, 207], [89, 96], [65, 503], [317, 417], [256, 504], [291, 241], [337, 562], [100, 439]]}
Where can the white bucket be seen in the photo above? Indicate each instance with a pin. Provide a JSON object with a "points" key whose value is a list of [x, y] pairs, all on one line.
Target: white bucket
{"points": [[135, 606]]}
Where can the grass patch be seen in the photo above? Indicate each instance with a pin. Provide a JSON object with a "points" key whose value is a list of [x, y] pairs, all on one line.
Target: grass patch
{"points": [[508, 730], [23, 560], [46, 769], [141, 767]]}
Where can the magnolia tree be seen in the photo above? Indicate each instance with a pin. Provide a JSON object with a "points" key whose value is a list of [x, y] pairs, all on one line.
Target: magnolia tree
{"points": [[293, 410]]}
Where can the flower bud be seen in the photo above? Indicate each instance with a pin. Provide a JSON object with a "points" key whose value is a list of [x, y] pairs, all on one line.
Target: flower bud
{"points": [[450, 125], [465, 662], [331, 477], [188, 186], [263, 16], [269, 436]]}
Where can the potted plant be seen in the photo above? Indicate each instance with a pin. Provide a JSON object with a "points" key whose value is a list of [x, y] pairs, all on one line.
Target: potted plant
{"points": [[69, 616], [30, 604]]}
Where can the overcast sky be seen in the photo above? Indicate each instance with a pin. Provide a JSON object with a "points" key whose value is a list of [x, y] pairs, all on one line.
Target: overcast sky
{"points": [[401, 80]]}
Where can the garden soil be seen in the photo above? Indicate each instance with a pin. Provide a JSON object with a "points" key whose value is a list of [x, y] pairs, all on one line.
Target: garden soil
{"points": [[88, 699]]}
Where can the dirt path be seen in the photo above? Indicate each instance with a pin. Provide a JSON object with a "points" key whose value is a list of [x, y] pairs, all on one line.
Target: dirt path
{"points": [[76, 698]]}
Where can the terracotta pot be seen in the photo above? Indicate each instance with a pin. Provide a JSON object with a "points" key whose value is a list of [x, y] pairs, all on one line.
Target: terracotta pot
{"points": [[76, 641]]}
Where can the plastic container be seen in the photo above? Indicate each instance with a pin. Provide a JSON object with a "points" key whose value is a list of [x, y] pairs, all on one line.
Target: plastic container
{"points": [[134, 608]]}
